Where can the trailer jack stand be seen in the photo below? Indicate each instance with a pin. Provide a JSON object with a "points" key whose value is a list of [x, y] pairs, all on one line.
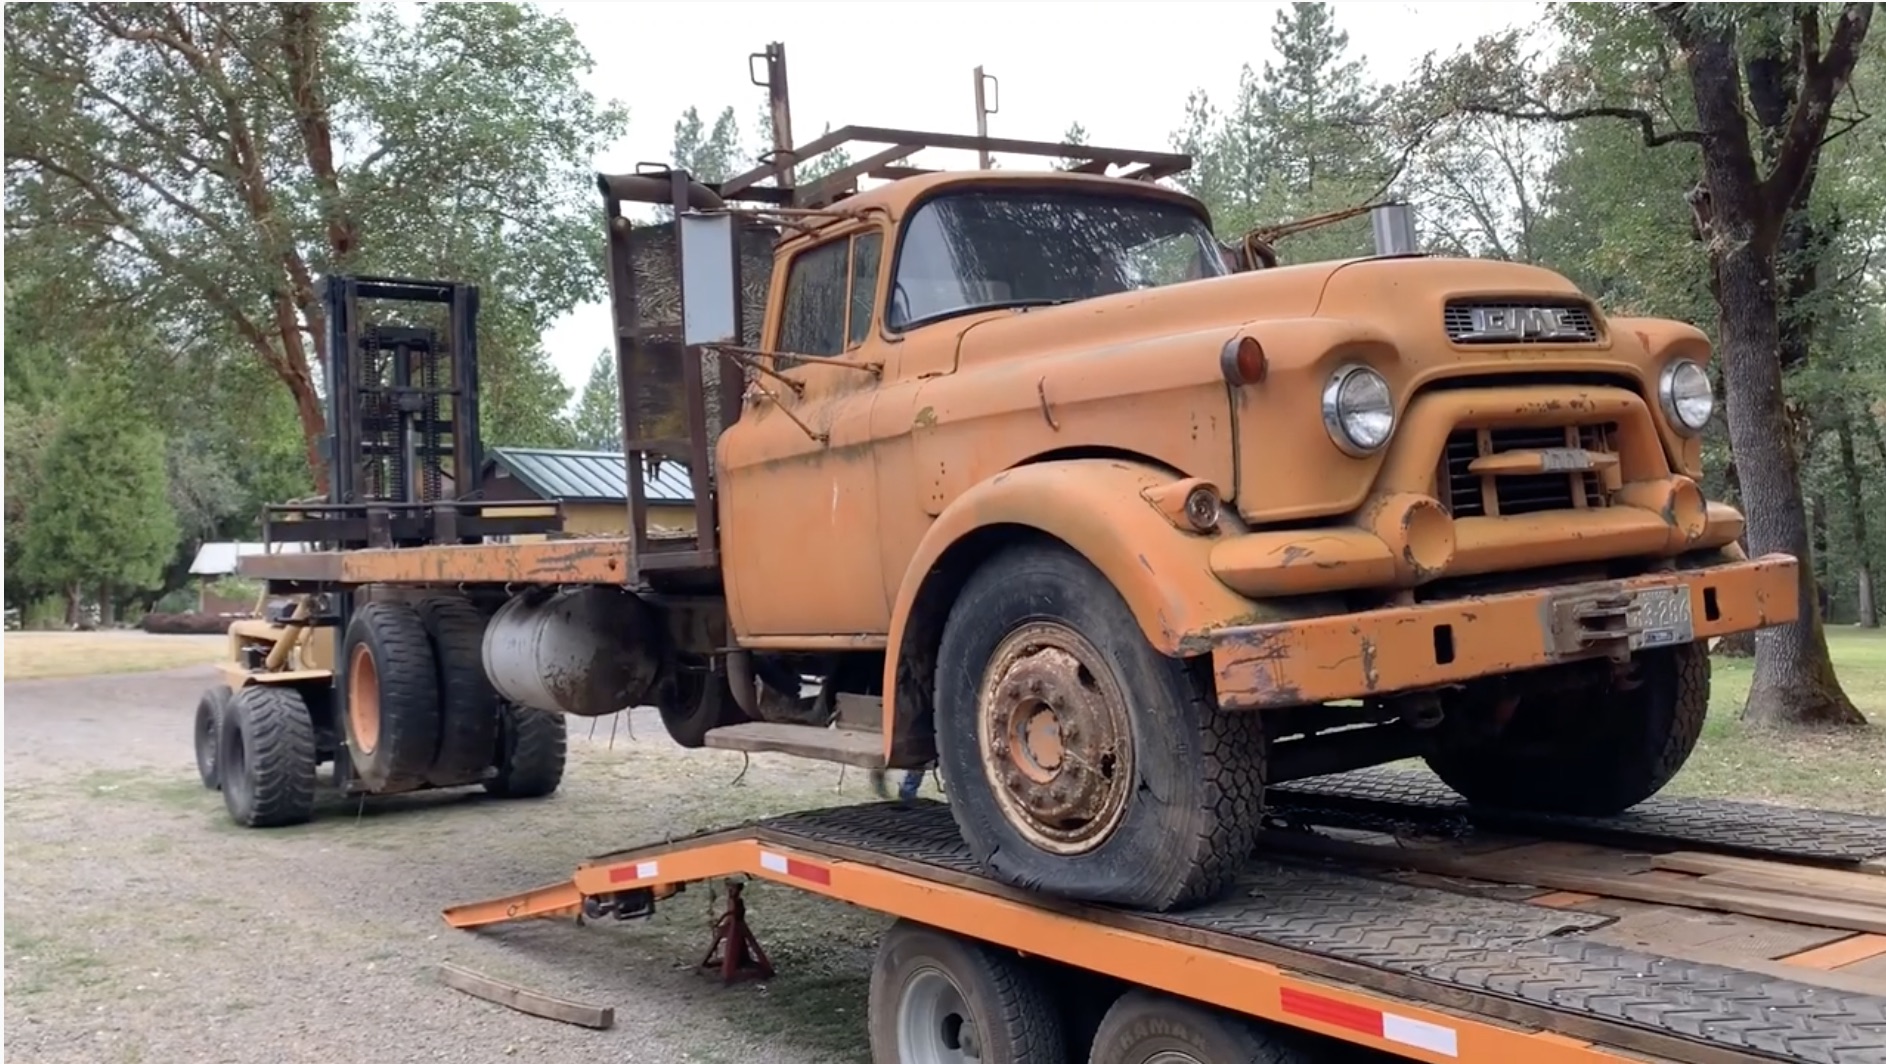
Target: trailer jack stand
{"points": [[740, 956]]}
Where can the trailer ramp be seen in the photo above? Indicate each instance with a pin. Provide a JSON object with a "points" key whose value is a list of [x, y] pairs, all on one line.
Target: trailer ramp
{"points": [[1413, 969]]}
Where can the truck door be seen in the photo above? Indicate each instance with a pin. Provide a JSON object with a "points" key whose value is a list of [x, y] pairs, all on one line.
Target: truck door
{"points": [[799, 498]]}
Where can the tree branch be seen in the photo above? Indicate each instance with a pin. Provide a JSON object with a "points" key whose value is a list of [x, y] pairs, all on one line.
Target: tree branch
{"points": [[1645, 123], [1822, 79]]}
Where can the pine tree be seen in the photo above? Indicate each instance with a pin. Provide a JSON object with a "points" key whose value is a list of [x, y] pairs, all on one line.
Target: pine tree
{"points": [[598, 415]]}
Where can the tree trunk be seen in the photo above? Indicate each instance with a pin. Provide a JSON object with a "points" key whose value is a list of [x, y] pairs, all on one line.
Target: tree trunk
{"points": [[1856, 499], [1794, 675], [73, 602]]}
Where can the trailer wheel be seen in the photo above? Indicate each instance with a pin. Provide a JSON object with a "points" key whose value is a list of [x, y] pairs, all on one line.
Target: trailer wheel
{"points": [[392, 717], [210, 709], [695, 703], [531, 748], [266, 755], [1595, 754], [939, 999], [468, 707], [1144, 1027], [1081, 761]]}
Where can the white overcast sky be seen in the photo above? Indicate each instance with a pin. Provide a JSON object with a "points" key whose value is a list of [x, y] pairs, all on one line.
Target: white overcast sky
{"points": [[1121, 69]]}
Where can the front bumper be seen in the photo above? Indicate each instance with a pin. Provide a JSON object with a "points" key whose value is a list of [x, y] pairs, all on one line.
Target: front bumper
{"points": [[1408, 648]]}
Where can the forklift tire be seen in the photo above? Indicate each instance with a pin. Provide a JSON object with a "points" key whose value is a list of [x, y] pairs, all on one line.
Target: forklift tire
{"points": [[1589, 753], [1144, 1026], [937, 996], [265, 750], [1082, 762], [531, 748], [392, 688], [468, 707], [697, 702], [210, 709]]}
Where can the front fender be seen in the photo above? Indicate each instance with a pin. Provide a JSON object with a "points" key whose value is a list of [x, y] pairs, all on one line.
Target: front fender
{"points": [[1100, 508]]}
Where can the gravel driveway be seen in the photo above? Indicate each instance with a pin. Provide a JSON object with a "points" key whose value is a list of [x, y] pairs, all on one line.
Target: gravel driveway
{"points": [[142, 926]]}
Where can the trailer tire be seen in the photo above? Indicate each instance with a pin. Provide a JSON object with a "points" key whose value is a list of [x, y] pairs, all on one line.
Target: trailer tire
{"points": [[1144, 1026], [392, 718], [468, 707], [207, 729], [1171, 808], [931, 991], [266, 750], [1593, 756], [696, 702], [532, 744]]}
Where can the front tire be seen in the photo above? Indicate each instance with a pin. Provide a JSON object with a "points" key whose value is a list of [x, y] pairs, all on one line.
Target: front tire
{"points": [[1590, 752], [266, 752], [1082, 762], [207, 728], [392, 718]]}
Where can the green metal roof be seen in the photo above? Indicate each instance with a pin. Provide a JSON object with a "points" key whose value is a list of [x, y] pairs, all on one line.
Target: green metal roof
{"points": [[588, 476]]}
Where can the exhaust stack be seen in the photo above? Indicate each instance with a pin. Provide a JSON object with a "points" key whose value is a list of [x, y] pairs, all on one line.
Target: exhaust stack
{"points": [[1393, 225]]}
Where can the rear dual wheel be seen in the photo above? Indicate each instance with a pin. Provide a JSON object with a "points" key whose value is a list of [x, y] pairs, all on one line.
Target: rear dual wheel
{"points": [[207, 731], [1082, 761], [266, 757]]}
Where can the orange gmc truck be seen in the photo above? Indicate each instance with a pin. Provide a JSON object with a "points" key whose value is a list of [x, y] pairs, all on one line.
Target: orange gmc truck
{"points": [[1025, 475]]}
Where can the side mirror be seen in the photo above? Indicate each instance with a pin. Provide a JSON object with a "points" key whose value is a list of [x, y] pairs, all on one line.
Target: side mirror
{"points": [[710, 279]]}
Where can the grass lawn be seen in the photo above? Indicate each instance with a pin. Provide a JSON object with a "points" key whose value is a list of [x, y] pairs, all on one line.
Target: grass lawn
{"points": [[1830, 770], [43, 655]]}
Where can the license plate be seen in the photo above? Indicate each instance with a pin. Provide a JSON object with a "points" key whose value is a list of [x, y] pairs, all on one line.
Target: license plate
{"points": [[1660, 617]]}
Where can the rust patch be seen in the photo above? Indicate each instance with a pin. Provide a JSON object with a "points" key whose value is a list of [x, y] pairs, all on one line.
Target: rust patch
{"points": [[1369, 674], [1294, 554], [926, 418]]}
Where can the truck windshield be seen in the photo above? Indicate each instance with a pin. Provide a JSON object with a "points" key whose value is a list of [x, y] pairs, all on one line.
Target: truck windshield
{"points": [[986, 249]]}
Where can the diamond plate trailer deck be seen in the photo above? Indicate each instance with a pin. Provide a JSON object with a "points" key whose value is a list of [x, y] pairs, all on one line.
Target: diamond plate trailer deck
{"points": [[1406, 968]]}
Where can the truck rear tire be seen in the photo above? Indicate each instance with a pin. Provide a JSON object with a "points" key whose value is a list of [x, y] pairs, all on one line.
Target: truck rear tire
{"points": [[1082, 762], [936, 997], [266, 755], [532, 745], [695, 703], [207, 728], [392, 718], [468, 707], [1144, 1027], [1594, 754]]}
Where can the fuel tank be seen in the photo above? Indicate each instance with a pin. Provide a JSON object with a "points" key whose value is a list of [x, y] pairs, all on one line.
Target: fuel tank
{"points": [[586, 651]]}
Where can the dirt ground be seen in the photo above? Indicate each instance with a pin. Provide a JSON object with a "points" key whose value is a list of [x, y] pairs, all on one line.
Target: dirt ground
{"points": [[142, 926]]}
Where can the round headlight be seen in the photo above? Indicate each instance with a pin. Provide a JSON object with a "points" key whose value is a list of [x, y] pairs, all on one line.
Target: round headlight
{"points": [[1687, 396], [1358, 410]]}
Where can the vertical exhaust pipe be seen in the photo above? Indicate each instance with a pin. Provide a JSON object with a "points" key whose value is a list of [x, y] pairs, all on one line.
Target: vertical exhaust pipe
{"points": [[1393, 225]]}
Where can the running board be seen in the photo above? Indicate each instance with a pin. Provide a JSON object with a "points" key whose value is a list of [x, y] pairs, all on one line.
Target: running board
{"points": [[847, 746]]}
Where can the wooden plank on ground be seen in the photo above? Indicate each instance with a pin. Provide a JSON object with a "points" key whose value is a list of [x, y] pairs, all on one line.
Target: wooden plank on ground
{"points": [[1850, 950], [1815, 912], [529, 1001], [1749, 874]]}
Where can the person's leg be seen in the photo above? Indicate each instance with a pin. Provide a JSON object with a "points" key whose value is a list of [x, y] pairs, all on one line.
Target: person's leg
{"points": [[913, 782]]}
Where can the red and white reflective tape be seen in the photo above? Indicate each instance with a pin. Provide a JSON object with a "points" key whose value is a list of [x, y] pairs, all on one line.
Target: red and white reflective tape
{"points": [[1384, 1025], [797, 869], [634, 873]]}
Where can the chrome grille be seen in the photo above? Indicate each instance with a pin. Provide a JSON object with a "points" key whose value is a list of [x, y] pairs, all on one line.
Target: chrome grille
{"points": [[1468, 495], [1519, 322]]}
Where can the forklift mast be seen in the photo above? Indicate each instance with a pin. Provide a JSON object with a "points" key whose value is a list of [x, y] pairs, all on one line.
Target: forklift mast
{"points": [[404, 455]]}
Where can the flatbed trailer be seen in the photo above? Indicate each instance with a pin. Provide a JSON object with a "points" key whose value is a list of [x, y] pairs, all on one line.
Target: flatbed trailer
{"points": [[1382, 913]]}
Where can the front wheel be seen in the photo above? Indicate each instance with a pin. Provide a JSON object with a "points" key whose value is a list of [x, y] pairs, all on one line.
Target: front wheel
{"points": [[1595, 752], [1083, 762]]}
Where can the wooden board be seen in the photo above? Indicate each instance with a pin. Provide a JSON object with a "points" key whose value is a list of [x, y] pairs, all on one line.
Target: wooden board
{"points": [[1651, 887], [1830, 883], [843, 745], [527, 1001]]}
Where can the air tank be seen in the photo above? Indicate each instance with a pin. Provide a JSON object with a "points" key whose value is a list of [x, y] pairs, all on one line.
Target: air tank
{"points": [[586, 651]]}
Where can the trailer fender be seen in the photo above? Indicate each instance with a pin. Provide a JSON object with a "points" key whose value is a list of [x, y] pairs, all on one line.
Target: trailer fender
{"points": [[1109, 511]]}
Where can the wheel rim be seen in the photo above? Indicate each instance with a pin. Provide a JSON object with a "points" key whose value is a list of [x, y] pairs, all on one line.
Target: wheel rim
{"points": [[363, 698], [1172, 1056], [933, 1022], [1056, 738]]}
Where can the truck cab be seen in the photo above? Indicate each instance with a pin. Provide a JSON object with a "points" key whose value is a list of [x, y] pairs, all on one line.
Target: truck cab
{"points": [[1136, 531]]}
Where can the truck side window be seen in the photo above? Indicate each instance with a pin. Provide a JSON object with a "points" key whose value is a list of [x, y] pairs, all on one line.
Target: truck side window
{"points": [[814, 322], [865, 249]]}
